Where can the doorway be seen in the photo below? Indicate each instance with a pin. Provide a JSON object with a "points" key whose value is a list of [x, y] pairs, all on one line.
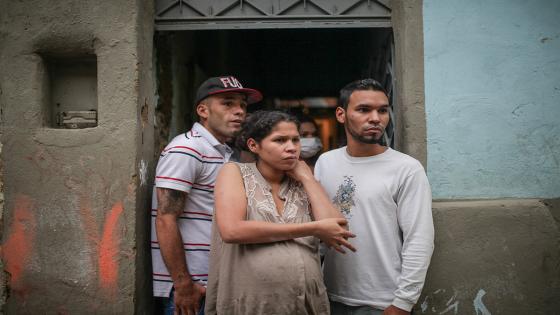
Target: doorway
{"points": [[300, 70]]}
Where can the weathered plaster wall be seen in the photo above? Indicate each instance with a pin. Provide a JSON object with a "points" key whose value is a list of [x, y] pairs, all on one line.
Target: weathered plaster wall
{"points": [[410, 134], [492, 73], [74, 232], [145, 160], [493, 257], [2, 274], [492, 77]]}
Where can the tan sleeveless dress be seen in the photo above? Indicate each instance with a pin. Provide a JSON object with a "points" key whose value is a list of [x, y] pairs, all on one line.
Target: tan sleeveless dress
{"points": [[273, 278]]}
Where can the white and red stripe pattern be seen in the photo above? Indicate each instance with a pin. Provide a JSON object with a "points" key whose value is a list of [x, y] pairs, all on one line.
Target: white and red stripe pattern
{"points": [[190, 163], [167, 278], [190, 215], [189, 247], [192, 153], [202, 187]]}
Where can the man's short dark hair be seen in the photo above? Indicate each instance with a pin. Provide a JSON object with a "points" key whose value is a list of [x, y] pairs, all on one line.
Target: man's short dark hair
{"points": [[358, 85]]}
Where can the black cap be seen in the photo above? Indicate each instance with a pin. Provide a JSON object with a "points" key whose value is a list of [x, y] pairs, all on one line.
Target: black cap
{"points": [[217, 85]]}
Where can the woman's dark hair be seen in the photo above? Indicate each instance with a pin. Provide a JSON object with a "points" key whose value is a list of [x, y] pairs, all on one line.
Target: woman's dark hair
{"points": [[260, 124]]}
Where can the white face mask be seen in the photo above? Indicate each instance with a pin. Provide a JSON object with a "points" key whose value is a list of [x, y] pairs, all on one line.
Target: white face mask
{"points": [[310, 147]]}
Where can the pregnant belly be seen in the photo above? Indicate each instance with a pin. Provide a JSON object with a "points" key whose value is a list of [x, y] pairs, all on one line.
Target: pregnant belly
{"points": [[280, 263]]}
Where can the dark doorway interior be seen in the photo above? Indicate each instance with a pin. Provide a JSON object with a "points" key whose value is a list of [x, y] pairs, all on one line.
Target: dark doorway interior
{"points": [[285, 64], [291, 63]]}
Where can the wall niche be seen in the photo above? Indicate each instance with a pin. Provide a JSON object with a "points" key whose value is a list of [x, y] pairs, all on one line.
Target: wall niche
{"points": [[72, 92]]}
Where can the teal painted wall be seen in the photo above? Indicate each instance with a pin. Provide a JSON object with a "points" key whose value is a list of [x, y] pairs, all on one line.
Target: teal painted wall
{"points": [[492, 78]]}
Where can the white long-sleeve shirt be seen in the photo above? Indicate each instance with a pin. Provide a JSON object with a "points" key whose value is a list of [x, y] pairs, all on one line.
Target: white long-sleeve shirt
{"points": [[387, 201]]}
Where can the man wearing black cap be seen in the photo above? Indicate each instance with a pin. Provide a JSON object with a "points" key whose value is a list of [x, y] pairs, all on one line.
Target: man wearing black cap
{"points": [[183, 199]]}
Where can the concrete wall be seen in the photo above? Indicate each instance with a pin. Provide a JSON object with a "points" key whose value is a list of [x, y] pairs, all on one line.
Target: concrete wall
{"points": [[74, 238], [492, 77], [494, 257], [492, 91], [146, 158], [2, 274], [410, 133]]}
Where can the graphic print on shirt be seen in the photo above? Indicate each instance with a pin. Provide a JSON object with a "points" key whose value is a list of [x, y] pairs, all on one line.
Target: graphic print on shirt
{"points": [[344, 198]]}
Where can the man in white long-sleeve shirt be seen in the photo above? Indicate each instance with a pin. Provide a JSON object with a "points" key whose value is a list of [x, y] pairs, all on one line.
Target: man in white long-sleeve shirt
{"points": [[386, 197]]}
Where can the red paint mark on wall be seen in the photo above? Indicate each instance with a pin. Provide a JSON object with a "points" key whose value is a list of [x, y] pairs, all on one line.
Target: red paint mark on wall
{"points": [[106, 243], [17, 248], [109, 249]]}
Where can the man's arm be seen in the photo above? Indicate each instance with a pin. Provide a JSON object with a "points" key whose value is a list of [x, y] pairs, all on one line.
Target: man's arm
{"points": [[170, 206], [231, 212], [415, 221]]}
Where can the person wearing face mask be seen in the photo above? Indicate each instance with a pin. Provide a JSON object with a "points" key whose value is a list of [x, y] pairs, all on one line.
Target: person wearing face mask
{"points": [[311, 145]]}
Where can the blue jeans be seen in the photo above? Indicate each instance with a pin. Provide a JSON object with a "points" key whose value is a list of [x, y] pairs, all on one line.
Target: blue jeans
{"points": [[169, 304], [343, 309]]}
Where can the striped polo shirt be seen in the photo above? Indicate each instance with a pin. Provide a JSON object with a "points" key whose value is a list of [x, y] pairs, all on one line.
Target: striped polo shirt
{"points": [[189, 163]]}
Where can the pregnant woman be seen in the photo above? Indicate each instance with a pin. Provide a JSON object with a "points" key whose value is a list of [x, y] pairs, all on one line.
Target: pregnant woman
{"points": [[269, 217]]}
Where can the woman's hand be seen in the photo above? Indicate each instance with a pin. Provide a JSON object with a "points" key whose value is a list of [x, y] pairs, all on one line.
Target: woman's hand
{"points": [[333, 233], [301, 172]]}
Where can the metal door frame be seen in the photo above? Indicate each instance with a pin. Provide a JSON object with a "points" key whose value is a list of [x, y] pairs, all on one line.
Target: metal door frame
{"points": [[174, 15]]}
